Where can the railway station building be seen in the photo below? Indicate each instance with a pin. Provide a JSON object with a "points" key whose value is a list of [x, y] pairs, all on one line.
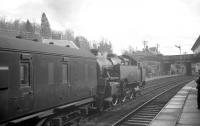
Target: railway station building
{"points": [[196, 49]]}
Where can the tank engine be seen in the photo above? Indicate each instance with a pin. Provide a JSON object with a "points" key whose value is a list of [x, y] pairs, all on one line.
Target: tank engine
{"points": [[119, 78]]}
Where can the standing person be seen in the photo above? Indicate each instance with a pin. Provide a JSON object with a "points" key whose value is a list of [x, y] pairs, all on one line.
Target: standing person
{"points": [[198, 91]]}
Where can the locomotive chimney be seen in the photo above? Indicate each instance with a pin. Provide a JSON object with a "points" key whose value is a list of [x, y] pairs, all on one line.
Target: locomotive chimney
{"points": [[94, 51], [51, 43]]}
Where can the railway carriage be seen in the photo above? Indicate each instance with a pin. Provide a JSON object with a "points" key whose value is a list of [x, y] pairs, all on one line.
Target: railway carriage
{"points": [[37, 77]]}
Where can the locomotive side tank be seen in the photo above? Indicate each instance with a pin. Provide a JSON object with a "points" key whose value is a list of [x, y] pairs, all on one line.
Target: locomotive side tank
{"points": [[131, 76], [131, 70], [36, 77]]}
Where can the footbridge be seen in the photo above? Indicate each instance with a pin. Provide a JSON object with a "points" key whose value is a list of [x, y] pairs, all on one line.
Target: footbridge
{"points": [[168, 61]]}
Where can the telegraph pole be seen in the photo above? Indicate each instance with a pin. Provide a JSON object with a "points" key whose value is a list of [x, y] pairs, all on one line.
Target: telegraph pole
{"points": [[157, 46], [145, 44], [179, 48]]}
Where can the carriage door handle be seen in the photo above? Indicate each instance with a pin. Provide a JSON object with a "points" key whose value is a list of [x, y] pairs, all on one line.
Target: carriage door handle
{"points": [[30, 92]]}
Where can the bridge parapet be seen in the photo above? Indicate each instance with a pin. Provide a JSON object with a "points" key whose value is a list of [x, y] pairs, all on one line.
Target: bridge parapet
{"points": [[193, 58], [142, 58], [179, 58]]}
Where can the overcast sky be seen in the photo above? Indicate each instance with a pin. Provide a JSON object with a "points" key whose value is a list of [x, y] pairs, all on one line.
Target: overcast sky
{"points": [[124, 22]]}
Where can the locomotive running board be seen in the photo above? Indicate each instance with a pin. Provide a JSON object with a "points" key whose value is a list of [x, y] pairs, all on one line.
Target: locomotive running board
{"points": [[52, 111]]}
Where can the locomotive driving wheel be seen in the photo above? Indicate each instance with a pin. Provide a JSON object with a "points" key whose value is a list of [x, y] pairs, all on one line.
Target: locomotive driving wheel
{"points": [[115, 100], [52, 122], [132, 94], [124, 98]]}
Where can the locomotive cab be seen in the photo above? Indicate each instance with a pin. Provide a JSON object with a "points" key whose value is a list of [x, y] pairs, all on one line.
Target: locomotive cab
{"points": [[108, 79]]}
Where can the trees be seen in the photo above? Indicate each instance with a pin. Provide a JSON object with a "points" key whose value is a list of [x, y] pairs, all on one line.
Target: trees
{"points": [[2, 23], [16, 24], [82, 42], [69, 35], [94, 45], [105, 46], [45, 27], [128, 51], [28, 27], [28, 30]]}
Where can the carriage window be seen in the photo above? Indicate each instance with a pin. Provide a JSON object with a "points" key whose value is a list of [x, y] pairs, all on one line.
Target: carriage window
{"points": [[25, 74], [65, 73], [4, 74], [50, 73]]}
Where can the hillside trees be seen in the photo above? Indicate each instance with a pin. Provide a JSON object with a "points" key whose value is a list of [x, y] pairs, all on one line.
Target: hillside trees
{"points": [[45, 27], [18, 26], [105, 46], [82, 42], [28, 27], [3, 22], [128, 51], [41, 30], [69, 35]]}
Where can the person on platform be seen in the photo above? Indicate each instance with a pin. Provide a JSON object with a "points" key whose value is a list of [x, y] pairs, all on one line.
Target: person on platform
{"points": [[198, 91]]}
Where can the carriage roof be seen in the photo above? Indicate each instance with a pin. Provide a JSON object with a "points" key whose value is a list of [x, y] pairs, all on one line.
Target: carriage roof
{"points": [[15, 44]]}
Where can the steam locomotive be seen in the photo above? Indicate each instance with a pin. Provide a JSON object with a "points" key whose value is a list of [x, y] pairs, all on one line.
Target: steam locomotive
{"points": [[46, 85]]}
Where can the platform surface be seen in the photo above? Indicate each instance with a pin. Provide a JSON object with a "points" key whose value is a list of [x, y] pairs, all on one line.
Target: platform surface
{"points": [[181, 110]]}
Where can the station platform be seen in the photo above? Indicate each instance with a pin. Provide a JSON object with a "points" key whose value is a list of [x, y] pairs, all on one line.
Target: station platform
{"points": [[181, 110]]}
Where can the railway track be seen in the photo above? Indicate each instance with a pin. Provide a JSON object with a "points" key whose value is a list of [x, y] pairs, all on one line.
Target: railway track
{"points": [[162, 83], [145, 113], [158, 86], [154, 87]]}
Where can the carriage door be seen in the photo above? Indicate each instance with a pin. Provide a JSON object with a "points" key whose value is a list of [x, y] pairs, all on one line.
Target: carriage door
{"points": [[66, 76], [26, 82], [141, 74], [4, 84]]}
